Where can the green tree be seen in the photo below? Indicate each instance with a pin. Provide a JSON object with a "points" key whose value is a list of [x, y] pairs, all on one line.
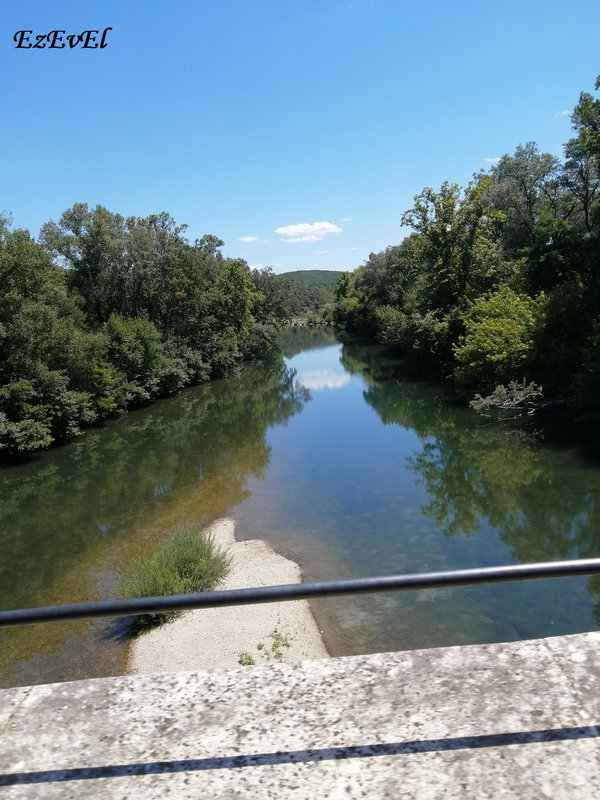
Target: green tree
{"points": [[119, 266], [455, 245], [581, 178], [129, 311], [499, 340], [554, 254], [586, 122], [135, 348], [522, 186], [46, 354], [92, 245]]}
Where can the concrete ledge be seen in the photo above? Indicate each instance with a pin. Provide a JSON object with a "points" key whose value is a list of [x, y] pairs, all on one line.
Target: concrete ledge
{"points": [[504, 720]]}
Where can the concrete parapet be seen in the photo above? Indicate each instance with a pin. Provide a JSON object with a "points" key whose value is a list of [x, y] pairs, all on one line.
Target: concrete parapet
{"points": [[485, 721]]}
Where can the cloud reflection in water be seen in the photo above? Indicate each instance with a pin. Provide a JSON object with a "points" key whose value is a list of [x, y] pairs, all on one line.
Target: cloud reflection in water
{"points": [[323, 379]]}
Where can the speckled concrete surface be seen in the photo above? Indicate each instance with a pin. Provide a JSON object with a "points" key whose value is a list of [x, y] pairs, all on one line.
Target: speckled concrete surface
{"points": [[493, 721]]}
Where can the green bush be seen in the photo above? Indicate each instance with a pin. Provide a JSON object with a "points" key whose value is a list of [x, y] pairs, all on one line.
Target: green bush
{"points": [[499, 341], [423, 334], [188, 562], [135, 348]]}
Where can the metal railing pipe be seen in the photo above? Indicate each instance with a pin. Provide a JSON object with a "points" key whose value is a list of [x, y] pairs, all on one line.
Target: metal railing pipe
{"points": [[300, 591]]}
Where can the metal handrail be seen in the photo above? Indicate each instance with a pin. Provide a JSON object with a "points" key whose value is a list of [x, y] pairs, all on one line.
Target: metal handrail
{"points": [[299, 591]]}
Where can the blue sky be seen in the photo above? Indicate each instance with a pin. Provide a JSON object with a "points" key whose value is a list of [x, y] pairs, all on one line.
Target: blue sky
{"points": [[297, 132]]}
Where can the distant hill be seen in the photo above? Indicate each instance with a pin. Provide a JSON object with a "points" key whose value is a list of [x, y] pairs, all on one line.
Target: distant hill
{"points": [[313, 277], [306, 291]]}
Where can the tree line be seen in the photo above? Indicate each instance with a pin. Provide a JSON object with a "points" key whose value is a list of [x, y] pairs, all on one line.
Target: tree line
{"points": [[104, 313], [498, 284]]}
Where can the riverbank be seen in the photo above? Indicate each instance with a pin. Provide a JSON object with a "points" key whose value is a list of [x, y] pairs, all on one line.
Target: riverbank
{"points": [[220, 637]]}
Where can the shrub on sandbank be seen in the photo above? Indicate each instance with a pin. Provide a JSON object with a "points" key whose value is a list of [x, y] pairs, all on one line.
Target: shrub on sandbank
{"points": [[187, 562]]}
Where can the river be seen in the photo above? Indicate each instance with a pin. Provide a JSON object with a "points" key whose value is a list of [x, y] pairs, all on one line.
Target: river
{"points": [[341, 462]]}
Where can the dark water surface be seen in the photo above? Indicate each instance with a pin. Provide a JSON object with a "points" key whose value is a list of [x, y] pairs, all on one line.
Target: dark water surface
{"points": [[343, 465]]}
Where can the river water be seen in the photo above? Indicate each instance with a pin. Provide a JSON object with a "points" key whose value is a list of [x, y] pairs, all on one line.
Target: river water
{"points": [[341, 462]]}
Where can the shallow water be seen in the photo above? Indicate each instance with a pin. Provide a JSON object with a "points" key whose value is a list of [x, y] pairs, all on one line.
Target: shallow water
{"points": [[341, 463], [382, 474]]}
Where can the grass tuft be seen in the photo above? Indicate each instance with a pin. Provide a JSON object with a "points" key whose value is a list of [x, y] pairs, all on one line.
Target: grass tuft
{"points": [[187, 562]]}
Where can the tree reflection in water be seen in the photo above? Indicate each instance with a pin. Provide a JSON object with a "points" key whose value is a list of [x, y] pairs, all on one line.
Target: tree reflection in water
{"points": [[73, 515]]}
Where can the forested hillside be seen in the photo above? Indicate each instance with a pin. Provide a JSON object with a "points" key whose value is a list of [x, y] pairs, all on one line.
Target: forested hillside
{"points": [[313, 277], [106, 313], [498, 283], [305, 292]]}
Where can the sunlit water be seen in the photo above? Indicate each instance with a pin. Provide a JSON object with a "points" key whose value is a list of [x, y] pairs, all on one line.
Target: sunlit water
{"points": [[342, 464]]}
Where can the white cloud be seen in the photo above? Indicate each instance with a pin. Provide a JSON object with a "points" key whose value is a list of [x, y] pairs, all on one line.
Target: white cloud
{"points": [[307, 231], [354, 248], [346, 219], [563, 114], [253, 238], [493, 160], [322, 252]]}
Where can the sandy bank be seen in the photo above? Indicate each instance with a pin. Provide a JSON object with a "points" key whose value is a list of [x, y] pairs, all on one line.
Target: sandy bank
{"points": [[215, 637]]}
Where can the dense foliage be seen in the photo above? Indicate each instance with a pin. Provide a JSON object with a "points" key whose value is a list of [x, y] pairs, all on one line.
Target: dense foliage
{"points": [[105, 313], [500, 281]]}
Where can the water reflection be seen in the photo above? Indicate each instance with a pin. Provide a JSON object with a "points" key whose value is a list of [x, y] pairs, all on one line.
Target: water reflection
{"points": [[71, 517], [297, 339], [322, 379], [388, 474], [543, 501], [507, 476], [383, 474], [321, 369]]}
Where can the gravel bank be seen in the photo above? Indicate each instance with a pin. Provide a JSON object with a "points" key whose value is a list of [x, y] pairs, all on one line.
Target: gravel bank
{"points": [[215, 637]]}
